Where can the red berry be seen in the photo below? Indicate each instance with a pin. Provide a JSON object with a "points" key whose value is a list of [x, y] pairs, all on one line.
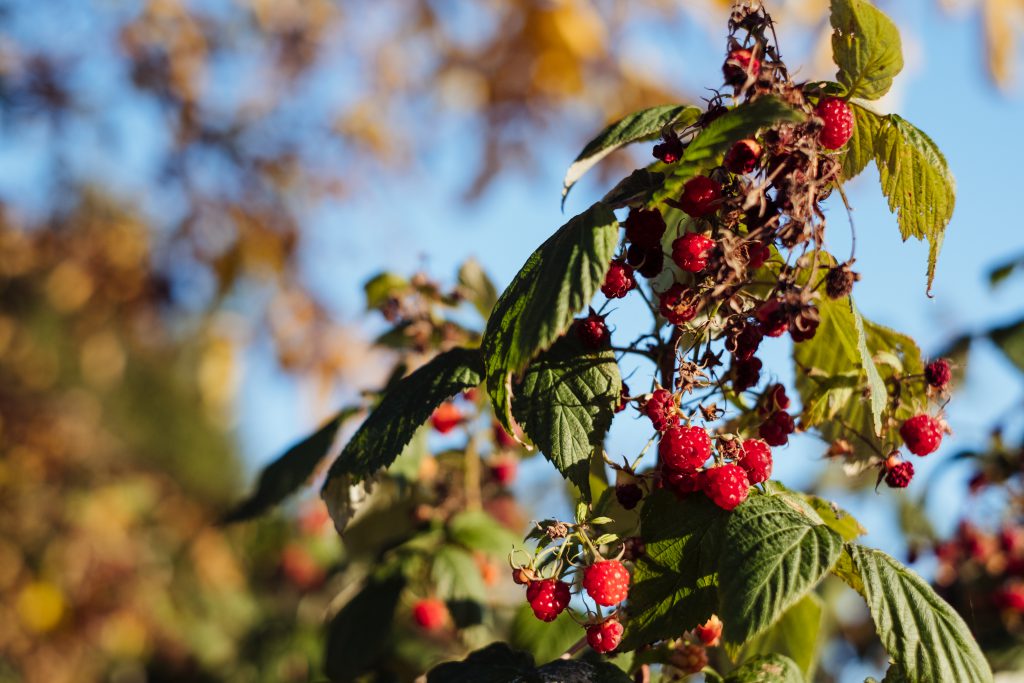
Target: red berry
{"points": [[757, 253], [744, 340], [619, 281], [937, 373], [430, 613], [684, 448], [592, 331], [661, 408], [738, 65], [604, 637], [607, 582], [504, 470], [690, 252], [678, 304], [745, 373], [710, 632], [773, 318], [501, 437], [623, 396], [756, 461], [682, 482], [647, 261], [774, 398], [446, 418], [898, 473], [922, 434], [1011, 597], [628, 495], [838, 120], [727, 485], [742, 157], [644, 228], [547, 598], [777, 428], [670, 150], [700, 196]]}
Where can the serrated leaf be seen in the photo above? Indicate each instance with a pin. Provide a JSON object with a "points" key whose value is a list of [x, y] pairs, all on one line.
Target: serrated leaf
{"points": [[866, 47], [860, 149], [767, 669], [497, 663], [359, 634], [1010, 340], [477, 287], [645, 124], [924, 635], [477, 530], [877, 394], [675, 581], [557, 281], [837, 519], [636, 188], [772, 556], [456, 575], [566, 403], [796, 635]]}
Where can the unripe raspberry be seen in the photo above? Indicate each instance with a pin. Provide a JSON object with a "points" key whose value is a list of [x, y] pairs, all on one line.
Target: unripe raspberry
{"points": [[628, 495], [547, 598], [678, 304], [669, 150], [446, 418], [504, 469], [839, 281], [838, 122], [937, 373], [522, 576], [700, 196], [922, 434], [745, 373], [898, 473], [681, 482], [684, 448], [777, 428], [604, 637], [773, 317], [644, 228], [710, 632], [690, 252], [662, 410], [606, 582], [739, 65], [430, 614], [742, 157], [619, 280], [726, 485], [756, 461], [592, 331], [647, 261]]}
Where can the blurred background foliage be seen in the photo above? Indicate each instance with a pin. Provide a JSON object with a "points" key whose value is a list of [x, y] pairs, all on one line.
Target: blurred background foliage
{"points": [[170, 153]]}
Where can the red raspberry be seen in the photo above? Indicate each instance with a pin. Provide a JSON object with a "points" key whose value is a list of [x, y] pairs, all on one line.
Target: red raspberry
{"points": [[604, 637], [726, 485], [547, 598], [756, 461], [690, 658], [619, 281], [710, 632], [838, 120], [592, 331], [773, 317], [803, 325], [898, 473], [690, 252], [743, 341], [745, 373], [644, 228], [774, 398], [700, 196], [628, 495], [937, 373], [757, 253], [922, 434], [1011, 597], [623, 395], [777, 428], [648, 262], [661, 409], [738, 65], [446, 418], [742, 157], [684, 448], [501, 437], [430, 614], [678, 304], [504, 470], [670, 150], [681, 482], [607, 582]]}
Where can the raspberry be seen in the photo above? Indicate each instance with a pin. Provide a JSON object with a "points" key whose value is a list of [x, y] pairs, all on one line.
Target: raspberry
{"points": [[644, 228], [745, 373], [501, 437], [684, 448], [774, 398], [742, 157], [738, 65], [777, 428], [604, 637], [727, 486], [623, 396], [619, 281], [547, 598], [839, 281], [680, 482], [670, 150], [710, 632], [430, 613], [690, 252], [898, 473], [690, 658], [937, 373], [838, 122], [773, 318], [756, 460], [804, 324], [757, 253], [607, 582], [922, 434], [647, 261], [1010, 597], [522, 576], [592, 331], [743, 340], [661, 409], [628, 495], [678, 304], [504, 470], [446, 418], [700, 196]]}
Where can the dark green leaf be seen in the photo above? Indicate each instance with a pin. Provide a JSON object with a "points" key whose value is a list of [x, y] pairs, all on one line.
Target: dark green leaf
{"points": [[795, 635], [496, 663], [359, 634], [477, 530], [767, 669], [1010, 339], [866, 47], [636, 188], [574, 671], [477, 287], [544, 640]]}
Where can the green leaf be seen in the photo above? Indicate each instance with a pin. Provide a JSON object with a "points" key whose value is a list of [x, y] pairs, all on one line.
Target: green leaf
{"points": [[645, 124], [924, 635], [917, 183], [675, 582], [407, 465], [360, 634], [497, 663], [477, 530], [866, 47], [291, 470], [566, 403], [767, 669], [860, 149], [557, 281], [382, 287], [544, 640], [772, 555], [456, 575], [796, 635], [1005, 269], [877, 394], [1010, 340], [477, 287], [837, 519], [636, 188]]}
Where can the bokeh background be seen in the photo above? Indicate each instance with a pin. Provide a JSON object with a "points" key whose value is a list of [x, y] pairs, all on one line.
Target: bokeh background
{"points": [[192, 195]]}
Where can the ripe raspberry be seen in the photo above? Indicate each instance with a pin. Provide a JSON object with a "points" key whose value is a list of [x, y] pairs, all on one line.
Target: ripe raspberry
{"points": [[604, 637], [592, 331], [777, 428], [838, 120], [619, 281], [446, 418], [690, 252], [644, 228], [757, 253], [502, 438], [662, 410], [839, 281], [745, 373], [547, 598], [922, 434], [430, 614], [623, 395], [743, 340], [678, 304], [504, 469], [670, 150], [710, 632], [1011, 597], [684, 448], [681, 482], [726, 485], [738, 65], [773, 317], [937, 373], [628, 495], [700, 196], [742, 157], [648, 262], [607, 582], [898, 473], [756, 461], [690, 658]]}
